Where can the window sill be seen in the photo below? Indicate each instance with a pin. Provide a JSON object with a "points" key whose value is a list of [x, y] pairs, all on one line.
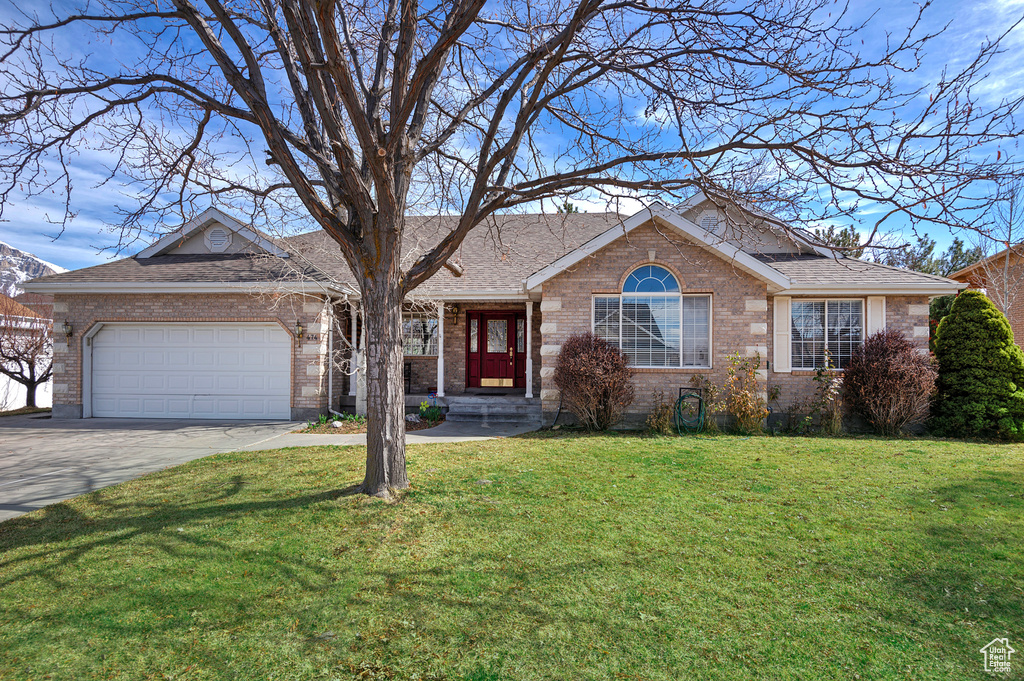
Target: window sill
{"points": [[810, 372], [677, 370]]}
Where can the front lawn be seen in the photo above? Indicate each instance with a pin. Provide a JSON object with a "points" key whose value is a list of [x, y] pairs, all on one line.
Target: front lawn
{"points": [[610, 557]]}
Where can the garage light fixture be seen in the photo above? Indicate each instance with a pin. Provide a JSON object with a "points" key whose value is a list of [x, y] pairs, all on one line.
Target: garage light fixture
{"points": [[67, 328], [298, 329]]}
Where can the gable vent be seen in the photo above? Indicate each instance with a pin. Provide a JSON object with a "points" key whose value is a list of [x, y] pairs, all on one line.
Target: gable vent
{"points": [[708, 221], [217, 239]]}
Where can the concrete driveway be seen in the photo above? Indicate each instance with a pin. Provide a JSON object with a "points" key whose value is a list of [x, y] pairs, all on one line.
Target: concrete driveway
{"points": [[43, 461]]}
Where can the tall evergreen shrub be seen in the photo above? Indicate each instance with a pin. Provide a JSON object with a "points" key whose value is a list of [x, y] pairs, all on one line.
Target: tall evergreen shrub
{"points": [[981, 372]]}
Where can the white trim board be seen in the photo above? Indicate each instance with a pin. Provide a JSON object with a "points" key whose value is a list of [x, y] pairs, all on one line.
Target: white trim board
{"points": [[919, 289], [666, 216], [78, 287], [203, 220]]}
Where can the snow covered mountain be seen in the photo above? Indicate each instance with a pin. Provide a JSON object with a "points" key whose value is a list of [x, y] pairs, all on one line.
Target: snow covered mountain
{"points": [[18, 266]]}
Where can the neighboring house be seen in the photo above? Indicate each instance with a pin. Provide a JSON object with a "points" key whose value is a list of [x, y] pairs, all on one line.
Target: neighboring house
{"points": [[17, 322], [204, 322], [1001, 277]]}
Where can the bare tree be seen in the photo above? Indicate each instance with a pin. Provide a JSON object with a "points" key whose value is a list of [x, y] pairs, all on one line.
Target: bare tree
{"points": [[26, 347], [351, 115], [1002, 274]]}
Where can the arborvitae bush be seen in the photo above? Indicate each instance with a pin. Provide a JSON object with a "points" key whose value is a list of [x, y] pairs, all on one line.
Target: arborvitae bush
{"points": [[981, 372], [889, 382], [595, 380], [937, 309]]}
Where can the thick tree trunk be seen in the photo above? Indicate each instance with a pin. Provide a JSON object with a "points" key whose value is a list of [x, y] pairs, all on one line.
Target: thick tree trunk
{"points": [[385, 393], [30, 394]]}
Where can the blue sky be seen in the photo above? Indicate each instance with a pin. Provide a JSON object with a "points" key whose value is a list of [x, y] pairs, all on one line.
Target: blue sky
{"points": [[88, 240]]}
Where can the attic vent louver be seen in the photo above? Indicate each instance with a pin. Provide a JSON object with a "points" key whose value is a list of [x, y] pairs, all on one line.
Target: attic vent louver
{"points": [[708, 221], [217, 239]]}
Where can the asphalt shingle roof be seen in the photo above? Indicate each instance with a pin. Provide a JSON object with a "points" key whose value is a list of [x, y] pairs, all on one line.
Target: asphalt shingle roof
{"points": [[497, 255], [206, 268], [823, 270]]}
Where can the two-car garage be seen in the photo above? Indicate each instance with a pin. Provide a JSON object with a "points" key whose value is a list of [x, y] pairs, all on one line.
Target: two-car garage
{"points": [[189, 371]]}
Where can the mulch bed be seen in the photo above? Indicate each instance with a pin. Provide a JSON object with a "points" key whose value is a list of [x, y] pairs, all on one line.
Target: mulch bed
{"points": [[25, 410], [354, 427]]}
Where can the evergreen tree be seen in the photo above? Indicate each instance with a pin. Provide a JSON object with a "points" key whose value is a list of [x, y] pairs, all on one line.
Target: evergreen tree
{"points": [[981, 372], [846, 240]]}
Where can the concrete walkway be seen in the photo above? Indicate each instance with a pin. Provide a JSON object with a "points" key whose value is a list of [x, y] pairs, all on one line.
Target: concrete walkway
{"points": [[43, 461], [449, 431]]}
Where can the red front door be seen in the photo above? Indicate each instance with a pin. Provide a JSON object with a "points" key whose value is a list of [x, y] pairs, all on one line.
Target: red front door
{"points": [[498, 351], [495, 353]]}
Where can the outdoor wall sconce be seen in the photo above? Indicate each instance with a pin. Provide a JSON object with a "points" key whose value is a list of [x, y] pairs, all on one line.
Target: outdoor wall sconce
{"points": [[66, 327], [455, 314], [298, 329]]}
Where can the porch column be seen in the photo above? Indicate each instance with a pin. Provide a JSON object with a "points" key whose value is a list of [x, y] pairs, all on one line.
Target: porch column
{"points": [[440, 349], [353, 378], [529, 349]]}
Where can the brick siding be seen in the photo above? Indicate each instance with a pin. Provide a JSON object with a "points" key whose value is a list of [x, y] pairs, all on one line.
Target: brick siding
{"points": [[742, 316], [309, 380]]}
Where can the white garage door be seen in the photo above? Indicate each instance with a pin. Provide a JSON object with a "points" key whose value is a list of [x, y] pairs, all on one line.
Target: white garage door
{"points": [[199, 371]]}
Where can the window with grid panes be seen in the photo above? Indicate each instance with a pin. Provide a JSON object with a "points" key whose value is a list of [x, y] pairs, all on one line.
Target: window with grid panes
{"points": [[653, 323], [817, 325]]}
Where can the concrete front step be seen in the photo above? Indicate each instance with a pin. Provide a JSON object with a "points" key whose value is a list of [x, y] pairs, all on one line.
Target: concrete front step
{"points": [[505, 409]]}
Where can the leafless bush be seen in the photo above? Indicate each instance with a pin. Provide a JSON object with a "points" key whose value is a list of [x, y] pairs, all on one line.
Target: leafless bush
{"points": [[595, 380], [889, 382]]}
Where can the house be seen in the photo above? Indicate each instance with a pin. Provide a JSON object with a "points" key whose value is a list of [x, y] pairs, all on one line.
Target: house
{"points": [[1001, 277], [21, 344], [219, 321]]}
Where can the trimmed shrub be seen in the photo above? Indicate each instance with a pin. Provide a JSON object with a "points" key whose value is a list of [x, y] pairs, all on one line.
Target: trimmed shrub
{"points": [[594, 379], [889, 383], [981, 372]]}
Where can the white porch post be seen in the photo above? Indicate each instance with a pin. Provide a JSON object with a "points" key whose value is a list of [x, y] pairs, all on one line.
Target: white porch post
{"points": [[529, 349], [440, 349], [353, 378]]}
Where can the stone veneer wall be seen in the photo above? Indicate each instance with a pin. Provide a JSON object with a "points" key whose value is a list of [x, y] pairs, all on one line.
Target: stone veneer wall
{"points": [[738, 302], [309, 380]]}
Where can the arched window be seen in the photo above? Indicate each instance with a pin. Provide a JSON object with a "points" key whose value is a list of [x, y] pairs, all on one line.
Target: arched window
{"points": [[650, 279], [654, 323]]}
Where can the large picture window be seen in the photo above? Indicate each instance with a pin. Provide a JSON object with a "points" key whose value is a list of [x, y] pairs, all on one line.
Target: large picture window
{"points": [[817, 325], [419, 336], [653, 323]]}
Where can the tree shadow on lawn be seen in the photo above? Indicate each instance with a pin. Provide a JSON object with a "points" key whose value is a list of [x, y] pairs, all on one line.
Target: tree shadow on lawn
{"points": [[971, 534], [116, 523]]}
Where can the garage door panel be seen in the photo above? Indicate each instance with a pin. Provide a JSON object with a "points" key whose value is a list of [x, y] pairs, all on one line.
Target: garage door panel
{"points": [[179, 382], [228, 382], [192, 371], [227, 359]]}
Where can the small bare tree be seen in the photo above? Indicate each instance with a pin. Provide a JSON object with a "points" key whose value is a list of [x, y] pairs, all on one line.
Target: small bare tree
{"points": [[348, 116], [1002, 274], [26, 347]]}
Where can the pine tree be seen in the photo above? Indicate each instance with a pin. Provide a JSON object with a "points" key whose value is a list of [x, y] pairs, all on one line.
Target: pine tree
{"points": [[981, 372]]}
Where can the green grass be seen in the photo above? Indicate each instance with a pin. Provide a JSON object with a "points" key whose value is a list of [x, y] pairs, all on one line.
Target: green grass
{"points": [[609, 557]]}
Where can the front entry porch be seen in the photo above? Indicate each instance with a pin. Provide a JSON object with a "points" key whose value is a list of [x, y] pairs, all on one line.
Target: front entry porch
{"points": [[476, 358]]}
